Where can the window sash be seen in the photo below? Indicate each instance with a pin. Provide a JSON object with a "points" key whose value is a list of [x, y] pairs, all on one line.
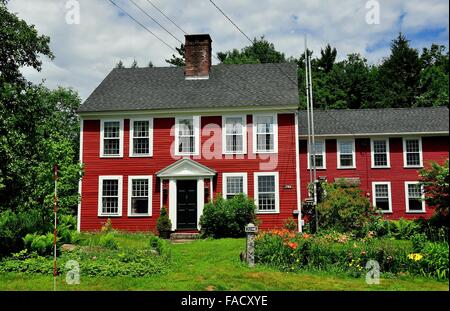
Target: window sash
{"points": [[141, 137], [414, 196], [111, 138], [110, 196], [265, 133], [380, 153], [266, 193], [412, 152], [234, 134], [186, 135], [382, 196], [139, 196]]}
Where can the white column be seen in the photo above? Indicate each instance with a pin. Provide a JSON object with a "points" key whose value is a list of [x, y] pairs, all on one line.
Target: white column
{"points": [[161, 182], [173, 203], [200, 199], [211, 189]]}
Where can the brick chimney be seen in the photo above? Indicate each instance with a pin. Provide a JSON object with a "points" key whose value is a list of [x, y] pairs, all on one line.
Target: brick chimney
{"points": [[197, 56]]}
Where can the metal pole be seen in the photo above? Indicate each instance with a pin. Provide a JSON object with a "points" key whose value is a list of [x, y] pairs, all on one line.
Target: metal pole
{"points": [[307, 112], [55, 204], [313, 144]]}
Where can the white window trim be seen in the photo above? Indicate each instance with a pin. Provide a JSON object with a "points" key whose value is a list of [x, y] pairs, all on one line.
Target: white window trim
{"points": [[338, 145], [277, 192], [374, 199], [372, 153], [100, 194], [324, 155], [244, 134], [130, 190], [102, 125], [196, 124], [405, 164], [407, 198], [224, 182], [275, 132], [150, 137]]}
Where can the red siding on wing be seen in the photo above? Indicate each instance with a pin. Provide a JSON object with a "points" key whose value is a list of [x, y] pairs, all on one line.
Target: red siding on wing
{"points": [[434, 149], [162, 144]]}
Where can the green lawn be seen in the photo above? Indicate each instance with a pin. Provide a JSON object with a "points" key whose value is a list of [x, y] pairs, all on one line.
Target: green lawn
{"points": [[215, 265]]}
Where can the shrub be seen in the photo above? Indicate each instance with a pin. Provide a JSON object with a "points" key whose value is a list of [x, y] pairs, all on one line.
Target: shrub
{"points": [[159, 245], [227, 218], [402, 229], [40, 243], [107, 227], [435, 260], [109, 241], [290, 224], [344, 209], [163, 224], [15, 226]]}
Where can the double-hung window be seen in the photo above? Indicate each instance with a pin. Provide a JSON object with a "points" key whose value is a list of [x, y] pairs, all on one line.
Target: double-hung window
{"points": [[141, 136], [234, 134], [346, 153], [139, 195], [415, 202], [267, 192], [110, 196], [234, 184], [320, 155], [412, 152], [111, 138], [380, 153], [381, 194], [265, 133], [187, 136]]}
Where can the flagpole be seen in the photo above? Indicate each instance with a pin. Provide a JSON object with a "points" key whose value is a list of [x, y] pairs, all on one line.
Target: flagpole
{"points": [[55, 205], [307, 112]]}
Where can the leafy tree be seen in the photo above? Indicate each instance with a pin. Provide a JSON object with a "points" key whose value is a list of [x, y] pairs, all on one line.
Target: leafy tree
{"points": [[261, 51], [327, 58], [177, 61], [21, 45], [399, 75], [120, 65], [435, 180], [134, 64], [433, 84], [150, 64]]}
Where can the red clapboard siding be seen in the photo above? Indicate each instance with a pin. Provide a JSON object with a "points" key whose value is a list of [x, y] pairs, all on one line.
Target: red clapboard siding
{"points": [[162, 144], [434, 149]]}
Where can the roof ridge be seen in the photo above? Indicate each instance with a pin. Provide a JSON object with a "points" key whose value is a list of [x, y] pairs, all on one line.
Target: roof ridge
{"points": [[381, 109]]}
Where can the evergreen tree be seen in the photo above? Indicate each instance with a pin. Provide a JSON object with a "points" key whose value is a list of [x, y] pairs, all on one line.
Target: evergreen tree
{"points": [[399, 75], [327, 58], [150, 64], [177, 61], [134, 64], [120, 65]]}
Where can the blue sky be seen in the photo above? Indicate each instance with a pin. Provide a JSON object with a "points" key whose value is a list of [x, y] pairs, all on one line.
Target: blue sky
{"points": [[86, 52]]}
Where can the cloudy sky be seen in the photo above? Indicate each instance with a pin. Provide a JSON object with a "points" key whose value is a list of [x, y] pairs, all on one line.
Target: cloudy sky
{"points": [[86, 52]]}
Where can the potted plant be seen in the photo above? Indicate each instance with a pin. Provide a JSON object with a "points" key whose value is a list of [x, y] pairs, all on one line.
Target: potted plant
{"points": [[164, 225]]}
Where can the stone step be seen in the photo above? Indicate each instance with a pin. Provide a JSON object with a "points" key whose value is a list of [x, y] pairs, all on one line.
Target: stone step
{"points": [[184, 236]]}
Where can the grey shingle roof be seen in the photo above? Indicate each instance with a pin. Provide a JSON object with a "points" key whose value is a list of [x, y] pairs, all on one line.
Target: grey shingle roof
{"points": [[377, 121], [166, 88]]}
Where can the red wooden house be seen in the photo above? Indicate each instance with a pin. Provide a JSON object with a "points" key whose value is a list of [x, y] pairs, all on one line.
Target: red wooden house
{"points": [[178, 137]]}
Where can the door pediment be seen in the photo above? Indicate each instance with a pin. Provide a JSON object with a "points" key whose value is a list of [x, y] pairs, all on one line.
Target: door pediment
{"points": [[186, 168]]}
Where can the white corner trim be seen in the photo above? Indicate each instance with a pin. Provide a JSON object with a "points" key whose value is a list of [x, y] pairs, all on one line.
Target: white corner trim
{"points": [[244, 134], [196, 123], [200, 199], [102, 124], [372, 152], [275, 132], [297, 174], [407, 197], [173, 203], [277, 192], [338, 142], [130, 190], [405, 164], [224, 182], [100, 194], [150, 137], [324, 155], [388, 183], [80, 183]]}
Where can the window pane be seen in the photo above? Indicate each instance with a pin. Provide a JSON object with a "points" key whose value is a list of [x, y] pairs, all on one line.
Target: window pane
{"points": [[415, 205], [234, 143], [233, 125], [346, 147], [382, 204], [234, 185], [264, 124], [265, 142], [319, 160], [412, 145], [110, 205], [380, 159], [266, 201], [110, 187], [141, 129], [346, 160], [141, 146], [379, 146], [413, 159], [186, 127], [186, 144], [139, 205], [111, 146], [111, 129], [266, 184]]}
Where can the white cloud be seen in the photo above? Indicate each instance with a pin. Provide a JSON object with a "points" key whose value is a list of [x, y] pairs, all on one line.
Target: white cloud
{"points": [[85, 53]]}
